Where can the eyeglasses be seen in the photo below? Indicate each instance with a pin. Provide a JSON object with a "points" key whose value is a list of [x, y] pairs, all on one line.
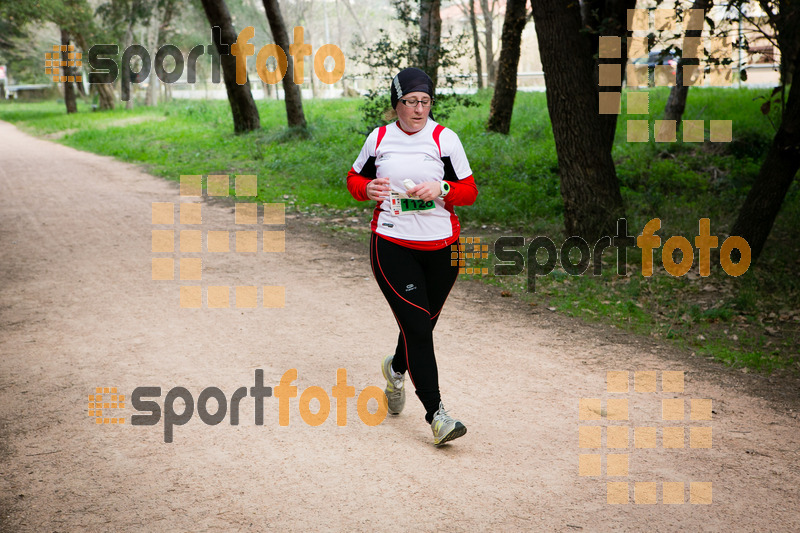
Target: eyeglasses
{"points": [[413, 103]]}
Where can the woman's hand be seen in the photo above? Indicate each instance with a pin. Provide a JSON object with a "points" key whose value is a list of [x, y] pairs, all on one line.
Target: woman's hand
{"points": [[378, 189], [427, 191]]}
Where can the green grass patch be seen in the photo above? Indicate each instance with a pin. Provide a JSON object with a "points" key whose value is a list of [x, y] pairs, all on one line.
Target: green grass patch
{"points": [[752, 321]]}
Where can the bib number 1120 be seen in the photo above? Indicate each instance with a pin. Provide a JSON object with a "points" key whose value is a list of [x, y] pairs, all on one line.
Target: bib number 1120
{"points": [[412, 204]]}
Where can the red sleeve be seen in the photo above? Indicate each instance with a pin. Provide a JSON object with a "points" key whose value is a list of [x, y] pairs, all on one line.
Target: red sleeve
{"points": [[357, 185], [462, 192]]}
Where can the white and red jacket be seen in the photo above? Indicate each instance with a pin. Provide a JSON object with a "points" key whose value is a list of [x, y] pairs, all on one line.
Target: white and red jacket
{"points": [[434, 153]]}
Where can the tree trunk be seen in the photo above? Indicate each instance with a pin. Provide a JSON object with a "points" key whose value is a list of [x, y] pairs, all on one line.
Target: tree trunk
{"points": [[476, 43], [778, 170], [676, 103], [125, 87], [243, 108], [488, 32], [105, 91], [69, 88], [430, 36], [589, 186], [607, 18], [506, 87], [152, 33], [292, 95]]}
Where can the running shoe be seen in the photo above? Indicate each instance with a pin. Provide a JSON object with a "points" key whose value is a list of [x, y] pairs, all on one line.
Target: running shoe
{"points": [[395, 392], [445, 428]]}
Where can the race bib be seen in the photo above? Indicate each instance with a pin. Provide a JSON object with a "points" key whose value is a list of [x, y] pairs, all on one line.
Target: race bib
{"points": [[401, 204]]}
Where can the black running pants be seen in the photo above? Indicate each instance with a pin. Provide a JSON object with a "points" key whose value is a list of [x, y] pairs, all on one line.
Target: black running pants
{"points": [[416, 284]]}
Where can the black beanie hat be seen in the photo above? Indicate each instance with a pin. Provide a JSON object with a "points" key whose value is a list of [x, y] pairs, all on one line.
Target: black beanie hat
{"points": [[410, 80]]}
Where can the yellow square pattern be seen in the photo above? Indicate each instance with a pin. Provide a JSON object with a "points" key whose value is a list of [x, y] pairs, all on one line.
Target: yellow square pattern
{"points": [[163, 213], [700, 493], [246, 213], [672, 492], [162, 240], [700, 409], [274, 213], [638, 131], [163, 268], [617, 464], [589, 409], [191, 297], [589, 465], [720, 131], [191, 213], [610, 74], [638, 102], [246, 241], [191, 185], [617, 408], [191, 241], [693, 131], [672, 437], [616, 381], [610, 47], [672, 409], [247, 297], [700, 437], [218, 297], [617, 436], [274, 296], [645, 493], [217, 185], [672, 381], [638, 20], [590, 436], [666, 131], [274, 241], [609, 103], [246, 185], [636, 75]]}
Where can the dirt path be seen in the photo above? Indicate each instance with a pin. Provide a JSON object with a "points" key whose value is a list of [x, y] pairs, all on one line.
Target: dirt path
{"points": [[78, 310]]}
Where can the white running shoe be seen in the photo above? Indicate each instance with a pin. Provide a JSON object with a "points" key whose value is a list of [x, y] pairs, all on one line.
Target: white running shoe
{"points": [[446, 428], [395, 392]]}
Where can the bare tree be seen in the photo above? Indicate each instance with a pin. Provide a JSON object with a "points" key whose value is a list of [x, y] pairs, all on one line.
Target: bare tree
{"points": [[476, 43], [676, 103], [293, 98], [506, 87], [488, 11], [589, 185], [430, 37], [468, 9], [68, 73], [105, 91], [778, 170], [243, 108]]}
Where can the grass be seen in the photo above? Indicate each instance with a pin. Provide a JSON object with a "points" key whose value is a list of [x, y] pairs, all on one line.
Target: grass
{"points": [[751, 321]]}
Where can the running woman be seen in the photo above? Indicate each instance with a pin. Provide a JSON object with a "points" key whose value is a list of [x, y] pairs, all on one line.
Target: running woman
{"points": [[416, 170]]}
